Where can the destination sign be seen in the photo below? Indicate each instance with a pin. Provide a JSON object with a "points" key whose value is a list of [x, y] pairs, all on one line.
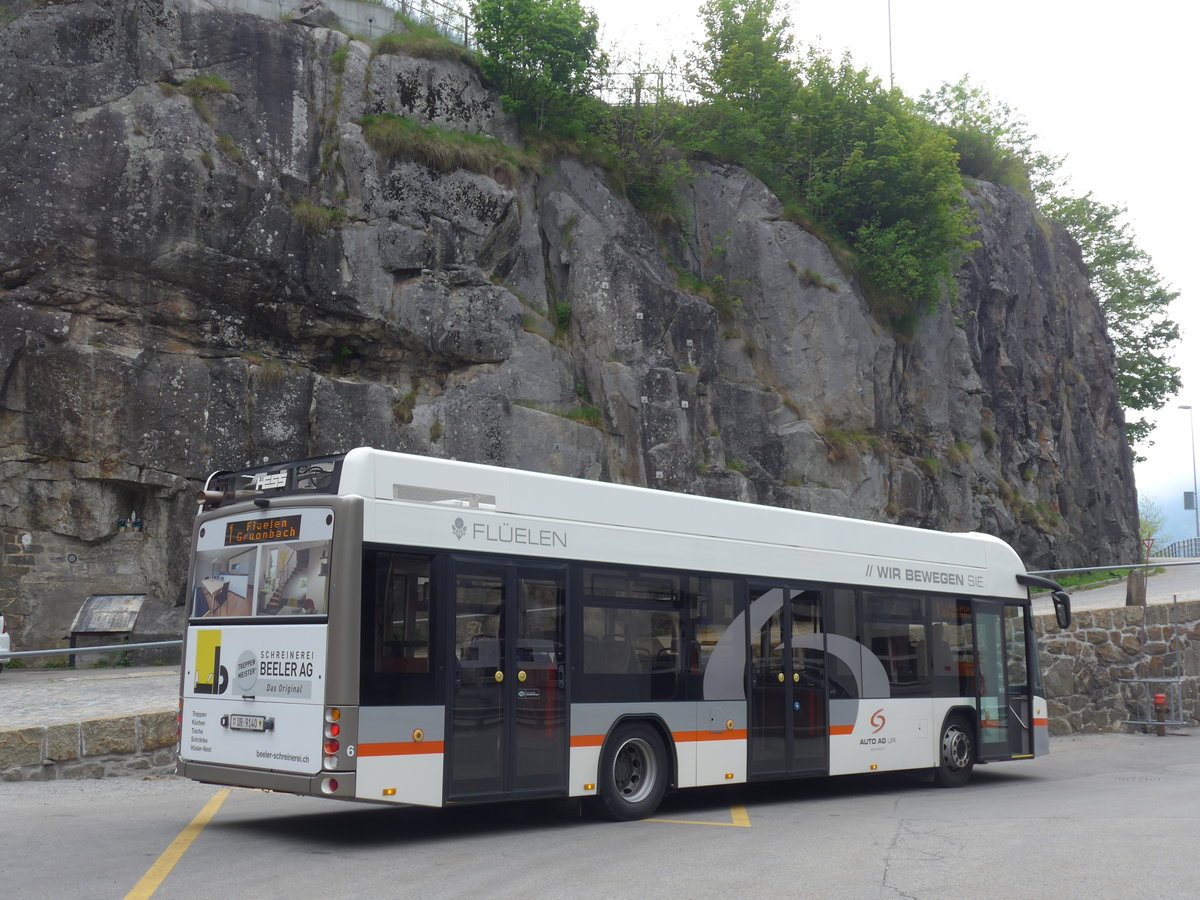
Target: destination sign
{"points": [[259, 531]]}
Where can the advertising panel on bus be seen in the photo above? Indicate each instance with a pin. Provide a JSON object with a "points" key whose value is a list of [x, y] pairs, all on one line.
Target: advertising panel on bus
{"points": [[253, 695]]}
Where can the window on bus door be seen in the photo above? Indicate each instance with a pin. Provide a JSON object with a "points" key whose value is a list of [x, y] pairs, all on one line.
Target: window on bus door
{"points": [[1016, 649], [894, 630], [632, 635], [266, 580]]}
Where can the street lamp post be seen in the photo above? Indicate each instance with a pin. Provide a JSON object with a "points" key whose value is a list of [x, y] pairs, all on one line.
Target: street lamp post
{"points": [[1195, 497]]}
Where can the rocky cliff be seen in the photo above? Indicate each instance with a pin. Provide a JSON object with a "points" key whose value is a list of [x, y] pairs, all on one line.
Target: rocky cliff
{"points": [[205, 264]]}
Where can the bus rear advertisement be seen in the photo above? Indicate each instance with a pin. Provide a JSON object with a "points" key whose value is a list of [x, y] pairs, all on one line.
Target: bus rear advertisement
{"points": [[382, 627]]}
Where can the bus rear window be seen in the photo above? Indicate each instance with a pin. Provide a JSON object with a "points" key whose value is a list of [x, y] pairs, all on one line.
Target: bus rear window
{"points": [[267, 580], [266, 568]]}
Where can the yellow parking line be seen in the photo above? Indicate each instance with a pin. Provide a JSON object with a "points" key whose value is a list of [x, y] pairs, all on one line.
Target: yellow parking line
{"points": [[162, 867], [737, 814]]}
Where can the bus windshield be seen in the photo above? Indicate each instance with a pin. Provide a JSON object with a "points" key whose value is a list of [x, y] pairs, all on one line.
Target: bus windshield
{"points": [[267, 566]]}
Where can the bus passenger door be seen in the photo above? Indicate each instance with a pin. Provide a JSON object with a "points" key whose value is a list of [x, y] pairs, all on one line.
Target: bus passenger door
{"points": [[788, 707], [1006, 727], [507, 712]]}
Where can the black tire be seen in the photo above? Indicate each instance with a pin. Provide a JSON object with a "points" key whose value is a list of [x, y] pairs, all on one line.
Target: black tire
{"points": [[633, 773], [956, 753]]}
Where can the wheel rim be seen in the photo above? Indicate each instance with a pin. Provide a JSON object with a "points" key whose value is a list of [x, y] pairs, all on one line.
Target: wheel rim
{"points": [[956, 748], [635, 770]]}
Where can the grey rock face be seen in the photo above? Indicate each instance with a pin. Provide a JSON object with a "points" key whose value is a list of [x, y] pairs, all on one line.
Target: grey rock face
{"points": [[172, 305]]}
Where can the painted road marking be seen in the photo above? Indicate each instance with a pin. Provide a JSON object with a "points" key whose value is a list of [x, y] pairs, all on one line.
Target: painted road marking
{"points": [[162, 867], [737, 814]]}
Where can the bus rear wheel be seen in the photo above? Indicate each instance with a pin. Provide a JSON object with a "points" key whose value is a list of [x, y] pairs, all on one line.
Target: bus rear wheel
{"points": [[633, 773], [956, 753]]}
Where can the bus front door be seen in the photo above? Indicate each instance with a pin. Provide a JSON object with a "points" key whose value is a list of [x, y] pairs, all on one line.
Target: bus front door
{"points": [[1004, 698], [788, 709], [507, 714]]}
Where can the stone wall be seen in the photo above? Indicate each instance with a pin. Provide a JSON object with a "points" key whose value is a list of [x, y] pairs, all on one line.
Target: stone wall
{"points": [[1082, 667], [46, 577], [118, 745]]}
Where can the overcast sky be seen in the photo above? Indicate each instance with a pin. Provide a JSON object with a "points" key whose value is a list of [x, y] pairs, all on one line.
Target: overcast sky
{"points": [[1112, 86]]}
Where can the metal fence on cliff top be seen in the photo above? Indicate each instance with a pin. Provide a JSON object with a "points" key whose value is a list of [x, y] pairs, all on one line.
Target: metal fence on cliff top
{"points": [[449, 21]]}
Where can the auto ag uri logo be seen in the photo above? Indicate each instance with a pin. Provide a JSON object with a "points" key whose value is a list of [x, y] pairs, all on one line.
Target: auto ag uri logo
{"points": [[878, 719]]}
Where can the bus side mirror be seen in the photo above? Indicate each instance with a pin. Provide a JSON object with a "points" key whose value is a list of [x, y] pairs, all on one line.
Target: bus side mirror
{"points": [[1062, 608]]}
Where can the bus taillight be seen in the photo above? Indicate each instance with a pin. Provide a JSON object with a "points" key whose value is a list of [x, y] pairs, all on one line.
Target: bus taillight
{"points": [[332, 746]]}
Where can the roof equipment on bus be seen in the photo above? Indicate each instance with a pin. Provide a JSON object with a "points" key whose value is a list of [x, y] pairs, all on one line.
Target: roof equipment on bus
{"points": [[319, 475]]}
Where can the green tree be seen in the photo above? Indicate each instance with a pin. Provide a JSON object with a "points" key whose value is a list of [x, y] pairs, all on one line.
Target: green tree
{"points": [[867, 163], [827, 137], [747, 85], [993, 141], [542, 55], [1135, 304], [1151, 522]]}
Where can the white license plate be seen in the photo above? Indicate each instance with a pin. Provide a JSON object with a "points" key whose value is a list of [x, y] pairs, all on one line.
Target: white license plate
{"points": [[248, 723]]}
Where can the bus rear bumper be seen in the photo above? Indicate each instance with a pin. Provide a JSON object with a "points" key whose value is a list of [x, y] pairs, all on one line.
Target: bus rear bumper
{"points": [[233, 776]]}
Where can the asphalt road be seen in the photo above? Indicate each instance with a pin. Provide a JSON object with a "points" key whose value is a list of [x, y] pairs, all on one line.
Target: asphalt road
{"points": [[1101, 816]]}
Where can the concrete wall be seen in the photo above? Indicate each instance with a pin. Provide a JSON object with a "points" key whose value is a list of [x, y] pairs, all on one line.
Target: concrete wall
{"points": [[1082, 667]]}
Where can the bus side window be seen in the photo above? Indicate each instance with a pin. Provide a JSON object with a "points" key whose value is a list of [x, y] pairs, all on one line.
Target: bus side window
{"points": [[632, 635], [843, 621], [894, 630], [397, 628], [713, 607], [951, 648], [406, 616]]}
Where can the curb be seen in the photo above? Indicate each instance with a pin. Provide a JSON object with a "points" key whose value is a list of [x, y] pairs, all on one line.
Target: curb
{"points": [[95, 748]]}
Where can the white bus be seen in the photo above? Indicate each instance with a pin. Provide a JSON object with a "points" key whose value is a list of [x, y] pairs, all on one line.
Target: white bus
{"points": [[392, 628]]}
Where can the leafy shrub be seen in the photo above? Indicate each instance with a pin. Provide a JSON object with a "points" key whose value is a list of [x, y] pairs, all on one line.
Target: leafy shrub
{"points": [[562, 317], [856, 159]]}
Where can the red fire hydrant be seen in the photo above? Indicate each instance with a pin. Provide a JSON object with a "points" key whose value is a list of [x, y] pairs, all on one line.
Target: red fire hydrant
{"points": [[1160, 713]]}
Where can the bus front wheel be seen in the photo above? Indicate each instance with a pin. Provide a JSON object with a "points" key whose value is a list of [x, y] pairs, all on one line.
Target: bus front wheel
{"points": [[633, 773], [956, 753]]}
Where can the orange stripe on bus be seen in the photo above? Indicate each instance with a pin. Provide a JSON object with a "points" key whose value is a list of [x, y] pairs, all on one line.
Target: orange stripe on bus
{"points": [[401, 748], [680, 737], [1040, 723], [732, 734], [841, 729]]}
